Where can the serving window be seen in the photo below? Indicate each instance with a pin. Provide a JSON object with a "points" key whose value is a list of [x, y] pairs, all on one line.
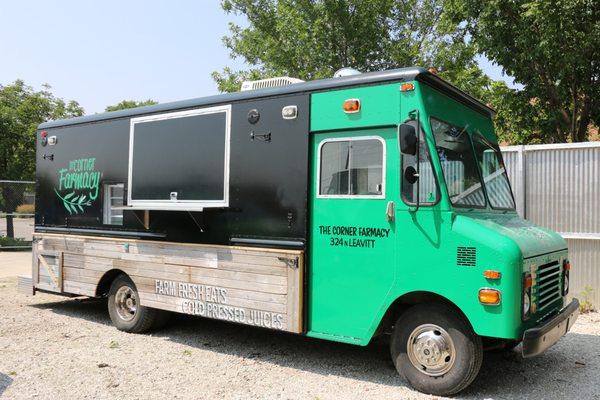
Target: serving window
{"points": [[352, 167], [180, 160]]}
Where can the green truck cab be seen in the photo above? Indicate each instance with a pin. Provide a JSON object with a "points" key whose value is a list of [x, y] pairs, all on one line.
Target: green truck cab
{"points": [[414, 231]]}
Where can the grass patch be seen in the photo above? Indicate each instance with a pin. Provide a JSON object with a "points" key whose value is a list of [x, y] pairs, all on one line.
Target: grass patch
{"points": [[14, 244], [586, 306]]}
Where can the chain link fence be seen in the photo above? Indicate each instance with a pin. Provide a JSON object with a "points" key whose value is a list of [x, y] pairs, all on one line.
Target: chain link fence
{"points": [[17, 199]]}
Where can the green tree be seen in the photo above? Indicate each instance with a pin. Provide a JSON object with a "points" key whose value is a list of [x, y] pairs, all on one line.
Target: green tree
{"points": [[311, 39], [22, 109], [552, 48], [130, 104]]}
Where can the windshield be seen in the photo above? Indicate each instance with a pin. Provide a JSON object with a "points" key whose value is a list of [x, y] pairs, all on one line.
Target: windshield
{"points": [[464, 163]]}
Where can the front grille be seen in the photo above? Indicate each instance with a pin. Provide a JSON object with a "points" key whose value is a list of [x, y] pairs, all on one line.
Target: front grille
{"points": [[547, 284]]}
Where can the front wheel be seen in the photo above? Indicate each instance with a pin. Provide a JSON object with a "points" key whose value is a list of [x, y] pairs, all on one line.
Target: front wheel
{"points": [[125, 310], [435, 349]]}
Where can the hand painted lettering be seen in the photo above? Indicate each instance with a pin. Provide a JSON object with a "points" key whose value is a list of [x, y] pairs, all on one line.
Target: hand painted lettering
{"points": [[211, 301], [78, 185], [353, 236]]}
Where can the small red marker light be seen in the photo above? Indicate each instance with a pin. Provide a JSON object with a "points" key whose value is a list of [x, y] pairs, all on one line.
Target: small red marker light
{"points": [[567, 265], [527, 281], [44, 134]]}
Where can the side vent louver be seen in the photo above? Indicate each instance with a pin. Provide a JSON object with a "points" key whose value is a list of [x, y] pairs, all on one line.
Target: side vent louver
{"points": [[466, 256]]}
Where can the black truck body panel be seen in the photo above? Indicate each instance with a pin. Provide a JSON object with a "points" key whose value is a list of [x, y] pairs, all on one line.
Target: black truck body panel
{"points": [[268, 179]]}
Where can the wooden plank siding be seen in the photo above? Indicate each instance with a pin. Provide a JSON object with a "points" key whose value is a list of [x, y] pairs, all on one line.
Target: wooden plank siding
{"points": [[255, 286]]}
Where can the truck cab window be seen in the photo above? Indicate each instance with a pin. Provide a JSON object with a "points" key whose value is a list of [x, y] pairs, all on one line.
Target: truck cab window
{"points": [[113, 199], [352, 168], [493, 173], [428, 191], [458, 164]]}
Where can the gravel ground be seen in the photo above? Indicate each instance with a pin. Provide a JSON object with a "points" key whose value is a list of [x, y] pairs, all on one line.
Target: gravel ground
{"points": [[57, 348]]}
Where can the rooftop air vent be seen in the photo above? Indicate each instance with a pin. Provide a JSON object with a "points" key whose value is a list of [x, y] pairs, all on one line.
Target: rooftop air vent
{"points": [[269, 83], [346, 72]]}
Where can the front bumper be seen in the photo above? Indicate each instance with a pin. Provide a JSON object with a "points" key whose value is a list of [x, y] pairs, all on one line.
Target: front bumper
{"points": [[539, 339]]}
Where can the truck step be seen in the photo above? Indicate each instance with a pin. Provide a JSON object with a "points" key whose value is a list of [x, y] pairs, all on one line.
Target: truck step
{"points": [[25, 285]]}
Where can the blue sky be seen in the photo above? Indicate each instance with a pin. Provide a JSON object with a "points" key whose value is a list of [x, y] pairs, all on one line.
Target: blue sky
{"points": [[100, 53]]}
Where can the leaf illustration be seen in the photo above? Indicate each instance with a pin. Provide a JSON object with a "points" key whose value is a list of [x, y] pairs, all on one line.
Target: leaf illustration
{"points": [[74, 203]]}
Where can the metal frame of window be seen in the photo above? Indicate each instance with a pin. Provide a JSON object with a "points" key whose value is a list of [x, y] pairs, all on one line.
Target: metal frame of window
{"points": [[438, 195], [498, 153], [351, 196], [185, 205]]}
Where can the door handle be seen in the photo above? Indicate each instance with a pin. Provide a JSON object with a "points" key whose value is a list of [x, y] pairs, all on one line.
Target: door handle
{"points": [[390, 211]]}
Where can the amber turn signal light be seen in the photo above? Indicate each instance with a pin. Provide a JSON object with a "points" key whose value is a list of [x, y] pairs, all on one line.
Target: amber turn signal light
{"points": [[527, 281], [489, 297], [351, 106], [491, 274], [407, 87]]}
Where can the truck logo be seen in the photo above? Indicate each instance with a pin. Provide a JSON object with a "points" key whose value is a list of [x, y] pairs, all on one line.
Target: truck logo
{"points": [[78, 185]]}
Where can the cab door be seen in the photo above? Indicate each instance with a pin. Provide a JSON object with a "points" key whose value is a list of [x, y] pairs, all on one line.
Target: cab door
{"points": [[354, 193]]}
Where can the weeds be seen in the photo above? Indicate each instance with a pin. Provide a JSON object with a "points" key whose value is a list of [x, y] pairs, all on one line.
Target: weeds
{"points": [[586, 306]]}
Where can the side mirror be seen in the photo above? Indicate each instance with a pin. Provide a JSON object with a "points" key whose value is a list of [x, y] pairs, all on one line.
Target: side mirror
{"points": [[411, 175], [407, 136]]}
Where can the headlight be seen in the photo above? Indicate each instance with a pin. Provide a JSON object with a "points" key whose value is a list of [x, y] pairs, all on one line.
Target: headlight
{"points": [[526, 303]]}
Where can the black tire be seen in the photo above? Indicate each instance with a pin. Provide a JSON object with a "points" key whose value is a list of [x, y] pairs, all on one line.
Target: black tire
{"points": [[134, 319], [452, 373]]}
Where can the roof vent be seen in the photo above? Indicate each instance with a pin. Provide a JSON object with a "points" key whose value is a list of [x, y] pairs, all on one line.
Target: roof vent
{"points": [[269, 83], [346, 72]]}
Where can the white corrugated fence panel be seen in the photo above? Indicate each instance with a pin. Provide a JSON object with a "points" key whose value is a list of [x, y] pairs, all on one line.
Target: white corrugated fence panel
{"points": [[558, 186]]}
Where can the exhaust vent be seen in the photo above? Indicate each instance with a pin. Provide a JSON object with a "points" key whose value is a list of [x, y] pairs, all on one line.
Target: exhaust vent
{"points": [[269, 83], [466, 256]]}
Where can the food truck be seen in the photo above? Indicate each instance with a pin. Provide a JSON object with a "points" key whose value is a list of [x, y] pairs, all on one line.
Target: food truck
{"points": [[341, 209]]}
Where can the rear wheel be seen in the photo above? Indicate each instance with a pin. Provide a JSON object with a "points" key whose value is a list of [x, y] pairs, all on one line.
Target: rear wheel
{"points": [[435, 349], [125, 310]]}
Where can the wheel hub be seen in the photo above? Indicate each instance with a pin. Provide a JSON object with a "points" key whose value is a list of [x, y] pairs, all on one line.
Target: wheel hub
{"points": [[431, 350], [126, 303]]}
